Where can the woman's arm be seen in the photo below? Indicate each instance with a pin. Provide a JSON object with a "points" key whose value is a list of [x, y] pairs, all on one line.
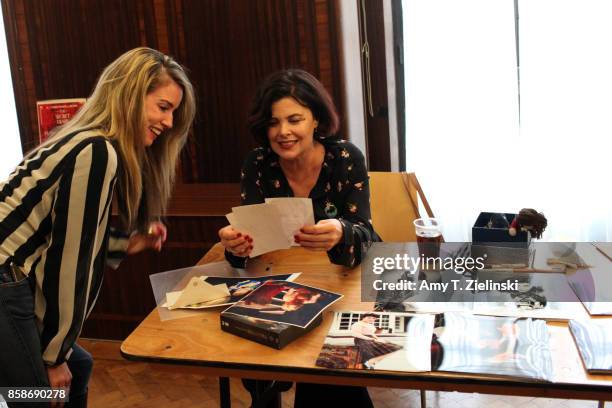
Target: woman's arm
{"points": [[79, 218], [355, 217], [153, 238], [118, 242], [346, 238]]}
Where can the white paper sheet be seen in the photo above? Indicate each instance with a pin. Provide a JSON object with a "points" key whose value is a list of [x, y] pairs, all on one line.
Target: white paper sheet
{"points": [[273, 224], [262, 223], [295, 212]]}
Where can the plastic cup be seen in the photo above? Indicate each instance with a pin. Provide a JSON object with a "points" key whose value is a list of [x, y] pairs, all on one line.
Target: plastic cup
{"points": [[429, 237]]}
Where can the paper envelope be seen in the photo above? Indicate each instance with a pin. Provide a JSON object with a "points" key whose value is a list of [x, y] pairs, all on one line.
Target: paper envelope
{"points": [[196, 291]]}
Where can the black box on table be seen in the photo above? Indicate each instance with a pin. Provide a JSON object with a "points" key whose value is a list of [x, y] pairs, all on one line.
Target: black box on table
{"points": [[271, 334]]}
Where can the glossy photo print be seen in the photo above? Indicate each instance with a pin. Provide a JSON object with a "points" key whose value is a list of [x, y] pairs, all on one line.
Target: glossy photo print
{"points": [[284, 302], [378, 341], [242, 286]]}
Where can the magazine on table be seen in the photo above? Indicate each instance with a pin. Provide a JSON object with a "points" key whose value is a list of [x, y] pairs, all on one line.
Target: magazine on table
{"points": [[594, 341], [504, 346], [453, 342]]}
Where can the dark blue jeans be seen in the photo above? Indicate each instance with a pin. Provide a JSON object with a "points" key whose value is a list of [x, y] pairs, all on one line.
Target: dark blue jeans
{"points": [[81, 366], [21, 363]]}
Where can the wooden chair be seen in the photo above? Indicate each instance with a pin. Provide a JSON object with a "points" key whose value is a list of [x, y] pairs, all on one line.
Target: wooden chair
{"points": [[394, 202]]}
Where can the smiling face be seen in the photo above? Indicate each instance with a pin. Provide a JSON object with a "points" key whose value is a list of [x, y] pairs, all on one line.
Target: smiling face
{"points": [[160, 105], [291, 129], [369, 319]]}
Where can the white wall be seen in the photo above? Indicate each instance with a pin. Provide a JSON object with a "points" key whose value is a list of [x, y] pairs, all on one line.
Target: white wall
{"points": [[391, 87]]}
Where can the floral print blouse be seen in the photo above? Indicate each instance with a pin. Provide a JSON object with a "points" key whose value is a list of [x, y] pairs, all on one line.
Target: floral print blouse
{"points": [[342, 191]]}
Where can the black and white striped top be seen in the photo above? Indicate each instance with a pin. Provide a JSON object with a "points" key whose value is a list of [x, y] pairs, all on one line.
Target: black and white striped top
{"points": [[54, 227]]}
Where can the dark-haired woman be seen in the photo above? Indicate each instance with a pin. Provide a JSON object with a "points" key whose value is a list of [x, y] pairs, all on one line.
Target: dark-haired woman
{"points": [[294, 120]]}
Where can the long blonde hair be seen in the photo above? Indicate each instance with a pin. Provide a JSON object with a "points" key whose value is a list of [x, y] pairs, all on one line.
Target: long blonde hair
{"points": [[116, 107]]}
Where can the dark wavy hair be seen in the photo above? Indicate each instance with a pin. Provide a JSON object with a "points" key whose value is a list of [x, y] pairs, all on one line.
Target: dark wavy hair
{"points": [[306, 90]]}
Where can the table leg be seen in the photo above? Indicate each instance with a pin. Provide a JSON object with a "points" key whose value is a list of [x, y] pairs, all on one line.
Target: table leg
{"points": [[423, 399], [601, 404], [224, 393], [268, 394]]}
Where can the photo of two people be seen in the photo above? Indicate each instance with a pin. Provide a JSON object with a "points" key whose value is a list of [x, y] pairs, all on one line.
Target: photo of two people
{"points": [[284, 302]]}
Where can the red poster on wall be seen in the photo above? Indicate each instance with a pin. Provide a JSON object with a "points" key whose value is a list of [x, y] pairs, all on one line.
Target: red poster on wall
{"points": [[55, 112]]}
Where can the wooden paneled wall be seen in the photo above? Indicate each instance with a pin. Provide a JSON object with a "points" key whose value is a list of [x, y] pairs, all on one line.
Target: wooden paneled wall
{"points": [[57, 48]]}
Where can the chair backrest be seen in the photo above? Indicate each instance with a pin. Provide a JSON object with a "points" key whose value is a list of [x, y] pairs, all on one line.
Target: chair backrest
{"points": [[394, 202]]}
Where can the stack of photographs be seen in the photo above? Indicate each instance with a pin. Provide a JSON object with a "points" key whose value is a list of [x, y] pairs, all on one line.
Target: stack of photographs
{"points": [[233, 289], [277, 312], [594, 341]]}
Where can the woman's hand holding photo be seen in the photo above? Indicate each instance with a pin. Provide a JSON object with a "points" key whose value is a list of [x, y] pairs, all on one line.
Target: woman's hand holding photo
{"points": [[320, 237], [236, 242]]}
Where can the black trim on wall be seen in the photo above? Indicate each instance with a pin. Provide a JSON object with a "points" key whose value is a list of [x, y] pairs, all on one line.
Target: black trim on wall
{"points": [[17, 75], [400, 89], [372, 39]]}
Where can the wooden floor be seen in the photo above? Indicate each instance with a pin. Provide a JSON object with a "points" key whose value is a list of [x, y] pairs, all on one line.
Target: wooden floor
{"points": [[119, 383]]}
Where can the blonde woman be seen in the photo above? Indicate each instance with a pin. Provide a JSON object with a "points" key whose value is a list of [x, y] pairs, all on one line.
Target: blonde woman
{"points": [[55, 209]]}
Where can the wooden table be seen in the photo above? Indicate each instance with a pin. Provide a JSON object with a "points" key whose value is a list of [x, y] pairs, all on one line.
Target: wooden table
{"points": [[198, 340]]}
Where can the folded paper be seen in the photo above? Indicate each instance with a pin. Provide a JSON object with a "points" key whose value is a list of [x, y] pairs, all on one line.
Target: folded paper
{"points": [[196, 291]]}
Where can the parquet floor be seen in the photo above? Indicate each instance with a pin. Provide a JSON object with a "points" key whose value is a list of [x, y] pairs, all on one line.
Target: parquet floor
{"points": [[119, 383]]}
